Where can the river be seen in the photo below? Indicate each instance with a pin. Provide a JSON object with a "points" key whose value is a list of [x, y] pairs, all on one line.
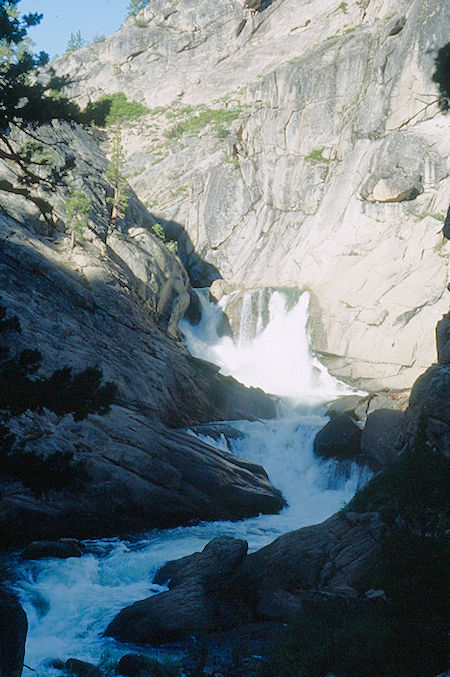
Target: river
{"points": [[70, 602]]}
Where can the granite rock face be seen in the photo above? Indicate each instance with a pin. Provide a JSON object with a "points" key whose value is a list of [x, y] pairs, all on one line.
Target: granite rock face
{"points": [[430, 397], [270, 584], [302, 145], [13, 632], [115, 301]]}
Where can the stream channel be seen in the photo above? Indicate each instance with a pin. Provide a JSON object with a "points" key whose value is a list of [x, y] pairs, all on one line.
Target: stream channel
{"points": [[69, 603]]}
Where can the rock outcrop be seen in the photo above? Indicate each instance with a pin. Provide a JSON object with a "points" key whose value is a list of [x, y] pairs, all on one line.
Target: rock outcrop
{"points": [[430, 396], [304, 146], [13, 632], [114, 301], [222, 588]]}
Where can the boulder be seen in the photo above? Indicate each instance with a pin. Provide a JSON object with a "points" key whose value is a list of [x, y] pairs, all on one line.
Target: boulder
{"points": [[381, 438], [77, 668], [136, 665], [165, 617], [340, 438], [59, 549], [195, 601], [13, 632], [222, 588], [219, 558], [443, 340]]}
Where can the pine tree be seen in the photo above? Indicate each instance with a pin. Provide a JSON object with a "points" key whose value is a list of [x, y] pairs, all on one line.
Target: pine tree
{"points": [[25, 101], [114, 175], [76, 41], [135, 7], [77, 206]]}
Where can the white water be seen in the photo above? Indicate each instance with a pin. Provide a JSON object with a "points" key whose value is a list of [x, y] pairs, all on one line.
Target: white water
{"points": [[70, 602]]}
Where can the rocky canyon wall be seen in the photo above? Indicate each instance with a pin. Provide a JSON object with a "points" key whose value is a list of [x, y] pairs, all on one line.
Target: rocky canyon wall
{"points": [[305, 145]]}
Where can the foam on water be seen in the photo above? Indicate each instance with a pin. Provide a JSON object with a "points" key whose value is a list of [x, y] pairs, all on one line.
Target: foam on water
{"points": [[69, 603]]}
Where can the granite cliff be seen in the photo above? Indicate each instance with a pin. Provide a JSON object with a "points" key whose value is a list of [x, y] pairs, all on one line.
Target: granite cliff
{"points": [[303, 145]]}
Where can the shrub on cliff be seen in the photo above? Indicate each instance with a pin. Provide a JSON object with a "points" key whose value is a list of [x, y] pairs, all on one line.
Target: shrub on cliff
{"points": [[23, 389]]}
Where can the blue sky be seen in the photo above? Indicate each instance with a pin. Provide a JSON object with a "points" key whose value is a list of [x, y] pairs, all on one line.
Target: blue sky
{"points": [[63, 17]]}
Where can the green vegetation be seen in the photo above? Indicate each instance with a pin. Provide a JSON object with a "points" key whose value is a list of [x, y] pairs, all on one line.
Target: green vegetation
{"points": [[438, 217], [135, 7], [113, 109], [76, 41], [114, 175], [407, 634], [23, 389], [195, 121], [24, 103], [343, 7], [77, 207], [10, 52], [172, 245], [316, 155]]}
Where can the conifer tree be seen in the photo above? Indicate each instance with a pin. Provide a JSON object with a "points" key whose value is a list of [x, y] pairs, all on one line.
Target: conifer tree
{"points": [[77, 206], [25, 102], [114, 175]]}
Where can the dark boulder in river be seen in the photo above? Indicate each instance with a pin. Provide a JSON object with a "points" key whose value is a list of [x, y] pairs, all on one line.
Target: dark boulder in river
{"points": [[13, 632]]}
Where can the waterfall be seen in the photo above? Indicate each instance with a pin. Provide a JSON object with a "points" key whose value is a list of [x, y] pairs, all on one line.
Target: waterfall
{"points": [[70, 602], [278, 359]]}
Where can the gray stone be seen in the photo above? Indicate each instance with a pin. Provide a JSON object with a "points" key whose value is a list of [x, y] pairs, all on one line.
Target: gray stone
{"points": [[327, 173], [382, 437], [340, 438], [13, 631], [58, 549]]}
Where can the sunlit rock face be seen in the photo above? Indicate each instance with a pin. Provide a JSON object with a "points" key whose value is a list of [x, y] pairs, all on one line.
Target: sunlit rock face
{"points": [[320, 160]]}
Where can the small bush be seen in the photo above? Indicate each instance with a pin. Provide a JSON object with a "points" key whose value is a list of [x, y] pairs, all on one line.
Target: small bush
{"points": [[112, 109], [219, 118], [172, 245]]}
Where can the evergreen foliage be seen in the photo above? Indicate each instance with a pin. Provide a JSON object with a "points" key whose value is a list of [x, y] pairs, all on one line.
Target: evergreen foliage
{"points": [[112, 109], [76, 41], [172, 245], [77, 206], [23, 389], [114, 175], [26, 102], [135, 7]]}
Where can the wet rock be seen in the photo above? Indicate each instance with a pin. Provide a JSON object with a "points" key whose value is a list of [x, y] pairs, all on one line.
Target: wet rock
{"points": [[340, 438], [165, 617], [347, 404], [136, 665], [59, 549], [77, 668], [219, 558], [13, 632], [382, 438]]}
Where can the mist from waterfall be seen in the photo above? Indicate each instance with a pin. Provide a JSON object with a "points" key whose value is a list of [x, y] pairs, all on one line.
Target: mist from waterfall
{"points": [[277, 359]]}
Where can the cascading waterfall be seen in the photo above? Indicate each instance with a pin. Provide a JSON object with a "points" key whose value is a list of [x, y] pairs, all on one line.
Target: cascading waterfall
{"points": [[70, 602]]}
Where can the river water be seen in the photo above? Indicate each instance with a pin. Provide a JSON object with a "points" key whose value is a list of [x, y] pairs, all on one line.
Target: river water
{"points": [[70, 602]]}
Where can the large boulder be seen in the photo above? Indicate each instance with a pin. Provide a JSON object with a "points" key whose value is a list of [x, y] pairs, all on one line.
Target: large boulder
{"points": [[13, 632], [430, 396], [340, 438], [381, 438], [222, 588], [60, 549], [194, 603]]}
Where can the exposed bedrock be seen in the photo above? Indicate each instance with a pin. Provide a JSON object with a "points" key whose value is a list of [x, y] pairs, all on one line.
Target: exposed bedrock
{"points": [[13, 632], [222, 588], [373, 430], [114, 301], [321, 161]]}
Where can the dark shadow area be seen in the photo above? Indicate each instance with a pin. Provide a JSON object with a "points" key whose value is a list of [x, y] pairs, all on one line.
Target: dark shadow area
{"points": [[201, 273], [442, 76]]}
